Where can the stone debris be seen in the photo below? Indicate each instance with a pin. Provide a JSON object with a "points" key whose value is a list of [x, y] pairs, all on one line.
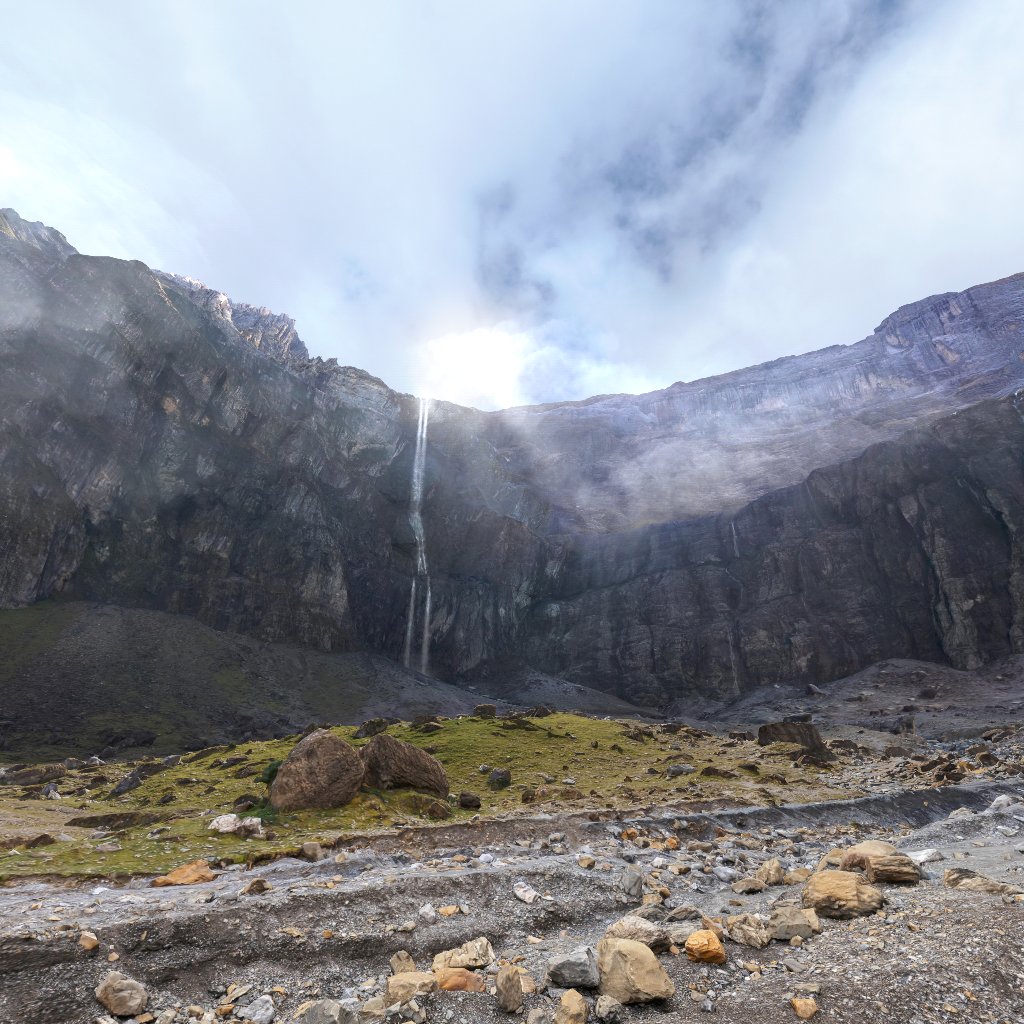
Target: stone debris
{"points": [[122, 996], [841, 894], [188, 874], [631, 973], [575, 969]]}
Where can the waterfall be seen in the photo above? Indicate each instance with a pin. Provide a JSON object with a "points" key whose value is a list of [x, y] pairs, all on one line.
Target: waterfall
{"points": [[416, 522]]}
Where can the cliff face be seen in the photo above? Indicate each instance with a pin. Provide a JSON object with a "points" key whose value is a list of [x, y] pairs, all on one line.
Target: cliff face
{"points": [[164, 448]]}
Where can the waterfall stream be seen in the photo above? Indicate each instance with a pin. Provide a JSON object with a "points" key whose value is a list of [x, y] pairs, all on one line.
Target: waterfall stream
{"points": [[416, 521]]}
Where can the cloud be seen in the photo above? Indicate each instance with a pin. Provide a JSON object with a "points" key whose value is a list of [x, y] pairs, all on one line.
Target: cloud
{"points": [[569, 198]]}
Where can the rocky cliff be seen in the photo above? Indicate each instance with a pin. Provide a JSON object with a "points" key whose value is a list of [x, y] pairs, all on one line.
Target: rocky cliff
{"points": [[164, 448]]}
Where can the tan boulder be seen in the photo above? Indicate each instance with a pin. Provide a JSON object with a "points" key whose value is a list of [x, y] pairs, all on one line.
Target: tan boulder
{"points": [[963, 878], [459, 979], [188, 874], [474, 953], [572, 1008], [322, 770], [748, 930], [705, 947], [122, 996], [841, 894], [804, 1008], [390, 763], [771, 872], [630, 972], [786, 923], [409, 984], [893, 868], [88, 942], [509, 989], [640, 930], [402, 962]]}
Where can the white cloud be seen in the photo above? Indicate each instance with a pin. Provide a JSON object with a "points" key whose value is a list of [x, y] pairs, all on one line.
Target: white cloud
{"points": [[619, 196]]}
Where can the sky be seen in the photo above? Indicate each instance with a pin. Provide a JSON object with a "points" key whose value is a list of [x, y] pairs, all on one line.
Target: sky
{"points": [[504, 203]]}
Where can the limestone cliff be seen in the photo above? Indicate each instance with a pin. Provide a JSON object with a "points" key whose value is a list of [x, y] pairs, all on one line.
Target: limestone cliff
{"points": [[164, 448]]}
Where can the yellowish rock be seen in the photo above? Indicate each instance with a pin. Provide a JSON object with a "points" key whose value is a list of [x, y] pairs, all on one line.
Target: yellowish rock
{"points": [[188, 874], [804, 1008], [705, 947], [841, 894], [459, 979], [630, 972], [88, 942], [409, 984], [572, 1008]]}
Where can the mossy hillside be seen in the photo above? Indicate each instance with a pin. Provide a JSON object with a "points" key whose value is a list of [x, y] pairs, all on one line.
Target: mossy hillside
{"points": [[607, 761]]}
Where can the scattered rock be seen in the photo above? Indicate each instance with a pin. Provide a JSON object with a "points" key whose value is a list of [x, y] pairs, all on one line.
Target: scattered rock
{"points": [[640, 930], [747, 930], [841, 894], [371, 727], [572, 1008], [188, 874], [402, 963], [409, 984], [260, 1011], [802, 733], [576, 969], [804, 1007], [499, 778], [322, 770], [122, 996], [962, 878], [630, 972], [609, 1010], [469, 801], [474, 953], [88, 942], [789, 922], [705, 947], [459, 979], [509, 989]]}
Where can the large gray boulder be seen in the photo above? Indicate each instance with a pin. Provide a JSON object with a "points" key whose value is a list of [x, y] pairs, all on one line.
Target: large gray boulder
{"points": [[389, 763], [322, 770]]}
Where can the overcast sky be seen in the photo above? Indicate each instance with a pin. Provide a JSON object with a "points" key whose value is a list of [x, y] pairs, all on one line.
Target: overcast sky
{"points": [[499, 203]]}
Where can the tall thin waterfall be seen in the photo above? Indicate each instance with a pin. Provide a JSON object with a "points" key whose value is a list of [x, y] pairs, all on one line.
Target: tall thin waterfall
{"points": [[416, 521]]}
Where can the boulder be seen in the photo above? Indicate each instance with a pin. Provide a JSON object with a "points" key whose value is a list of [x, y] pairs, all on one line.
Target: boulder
{"points": [[322, 770], [640, 930], [474, 953], [609, 1011], [371, 727], [260, 1011], [802, 733], [804, 1007], [499, 778], [788, 922], [705, 947], [326, 1011], [771, 872], [893, 867], [122, 996], [390, 763], [572, 1009], [509, 989], [748, 930], [188, 874], [469, 801], [576, 969], [630, 972], [485, 711], [409, 984], [963, 878], [402, 962], [841, 894], [459, 979]]}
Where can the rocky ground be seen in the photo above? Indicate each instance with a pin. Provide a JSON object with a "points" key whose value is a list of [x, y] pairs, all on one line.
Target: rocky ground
{"points": [[735, 889]]}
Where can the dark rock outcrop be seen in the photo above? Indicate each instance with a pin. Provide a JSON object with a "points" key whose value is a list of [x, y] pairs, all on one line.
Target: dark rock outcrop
{"points": [[390, 763], [321, 770], [802, 733], [163, 448]]}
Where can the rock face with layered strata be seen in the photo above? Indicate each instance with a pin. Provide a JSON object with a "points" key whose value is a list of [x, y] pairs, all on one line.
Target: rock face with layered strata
{"points": [[164, 448]]}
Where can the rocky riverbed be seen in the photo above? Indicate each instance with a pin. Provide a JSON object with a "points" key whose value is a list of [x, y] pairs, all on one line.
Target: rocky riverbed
{"points": [[351, 933]]}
